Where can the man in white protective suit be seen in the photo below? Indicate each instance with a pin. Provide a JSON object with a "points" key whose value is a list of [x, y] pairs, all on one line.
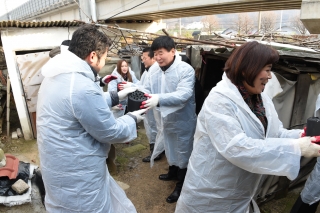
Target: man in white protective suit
{"points": [[171, 88], [149, 121], [76, 128]]}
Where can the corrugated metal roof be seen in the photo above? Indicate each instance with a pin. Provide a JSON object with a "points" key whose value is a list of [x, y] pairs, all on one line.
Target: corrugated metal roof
{"points": [[29, 24]]}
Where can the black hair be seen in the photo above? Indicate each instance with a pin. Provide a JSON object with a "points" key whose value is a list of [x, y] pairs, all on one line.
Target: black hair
{"points": [[165, 42], [88, 38], [66, 43], [149, 51]]}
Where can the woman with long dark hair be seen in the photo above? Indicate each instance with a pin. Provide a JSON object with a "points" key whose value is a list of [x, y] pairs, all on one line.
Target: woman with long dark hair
{"points": [[125, 78]]}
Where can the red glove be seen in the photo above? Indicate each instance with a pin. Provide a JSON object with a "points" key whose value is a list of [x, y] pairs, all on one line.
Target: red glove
{"points": [[120, 86], [143, 102], [124, 85], [106, 79], [316, 139], [303, 134]]}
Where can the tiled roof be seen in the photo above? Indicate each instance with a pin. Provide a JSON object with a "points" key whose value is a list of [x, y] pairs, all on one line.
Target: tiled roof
{"points": [[29, 24]]}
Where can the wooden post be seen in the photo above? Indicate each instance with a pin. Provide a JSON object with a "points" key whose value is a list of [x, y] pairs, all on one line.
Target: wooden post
{"points": [[8, 106]]}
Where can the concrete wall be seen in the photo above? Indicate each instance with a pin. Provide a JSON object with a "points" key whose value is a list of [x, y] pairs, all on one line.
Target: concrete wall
{"points": [[310, 15]]}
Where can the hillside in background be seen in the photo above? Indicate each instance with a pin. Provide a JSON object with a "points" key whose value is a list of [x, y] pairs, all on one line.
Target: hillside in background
{"points": [[226, 20]]}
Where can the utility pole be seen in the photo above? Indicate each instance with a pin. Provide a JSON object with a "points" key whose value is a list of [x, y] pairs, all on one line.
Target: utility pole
{"points": [[85, 11], [180, 25], [280, 20], [8, 12], [259, 21]]}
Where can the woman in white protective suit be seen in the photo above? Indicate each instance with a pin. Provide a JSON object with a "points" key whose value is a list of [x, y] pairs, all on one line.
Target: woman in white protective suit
{"points": [[125, 78], [75, 129], [239, 138]]}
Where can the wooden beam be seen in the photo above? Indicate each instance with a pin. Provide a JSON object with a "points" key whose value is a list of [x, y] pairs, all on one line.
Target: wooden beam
{"points": [[300, 101]]}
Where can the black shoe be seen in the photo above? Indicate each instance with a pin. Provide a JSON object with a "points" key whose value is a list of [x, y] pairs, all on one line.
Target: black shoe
{"points": [[171, 175], [157, 158], [181, 173], [167, 177], [146, 159], [174, 196]]}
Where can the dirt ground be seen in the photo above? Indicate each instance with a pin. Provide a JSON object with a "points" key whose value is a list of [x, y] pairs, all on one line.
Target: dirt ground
{"points": [[141, 182]]}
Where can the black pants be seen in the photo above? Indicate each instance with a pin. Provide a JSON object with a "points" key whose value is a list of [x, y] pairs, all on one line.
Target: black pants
{"points": [[301, 207]]}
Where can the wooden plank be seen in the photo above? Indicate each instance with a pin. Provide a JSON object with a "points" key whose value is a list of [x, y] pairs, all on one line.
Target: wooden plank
{"points": [[203, 70], [300, 101]]}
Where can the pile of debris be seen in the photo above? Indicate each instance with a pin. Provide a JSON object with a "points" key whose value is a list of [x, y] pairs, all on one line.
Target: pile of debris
{"points": [[3, 64]]}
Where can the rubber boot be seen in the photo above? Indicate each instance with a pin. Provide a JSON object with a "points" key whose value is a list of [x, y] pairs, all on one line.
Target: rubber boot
{"points": [[171, 175], [301, 207], [39, 183], [181, 174], [148, 158]]}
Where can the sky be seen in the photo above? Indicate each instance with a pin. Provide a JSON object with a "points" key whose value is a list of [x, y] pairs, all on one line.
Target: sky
{"points": [[8, 5]]}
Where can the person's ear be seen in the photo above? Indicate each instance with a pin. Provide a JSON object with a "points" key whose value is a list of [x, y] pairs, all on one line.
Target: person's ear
{"points": [[91, 57]]}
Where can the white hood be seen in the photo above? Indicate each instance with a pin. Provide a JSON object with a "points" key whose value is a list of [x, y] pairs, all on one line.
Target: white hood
{"points": [[115, 72], [66, 62], [228, 89]]}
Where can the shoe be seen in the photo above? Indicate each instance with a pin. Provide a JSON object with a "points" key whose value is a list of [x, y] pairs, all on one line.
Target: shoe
{"points": [[174, 196], [181, 174], [148, 158], [171, 175], [157, 158], [167, 177]]}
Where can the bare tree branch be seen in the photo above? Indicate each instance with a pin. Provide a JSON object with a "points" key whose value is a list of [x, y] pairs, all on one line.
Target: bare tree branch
{"points": [[268, 21], [297, 24], [210, 23], [243, 24]]}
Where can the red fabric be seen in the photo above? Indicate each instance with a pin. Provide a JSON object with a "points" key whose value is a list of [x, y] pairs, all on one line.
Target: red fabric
{"points": [[317, 139], [143, 102], [304, 132], [120, 84], [109, 78]]}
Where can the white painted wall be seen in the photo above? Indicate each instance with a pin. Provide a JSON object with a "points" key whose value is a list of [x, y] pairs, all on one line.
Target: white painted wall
{"points": [[18, 39]]}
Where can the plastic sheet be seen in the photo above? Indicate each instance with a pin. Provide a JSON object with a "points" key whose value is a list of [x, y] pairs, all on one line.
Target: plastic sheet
{"points": [[232, 153], [176, 118]]}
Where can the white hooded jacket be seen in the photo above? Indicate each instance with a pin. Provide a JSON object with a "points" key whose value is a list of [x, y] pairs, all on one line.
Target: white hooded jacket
{"points": [[75, 129], [175, 116]]}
